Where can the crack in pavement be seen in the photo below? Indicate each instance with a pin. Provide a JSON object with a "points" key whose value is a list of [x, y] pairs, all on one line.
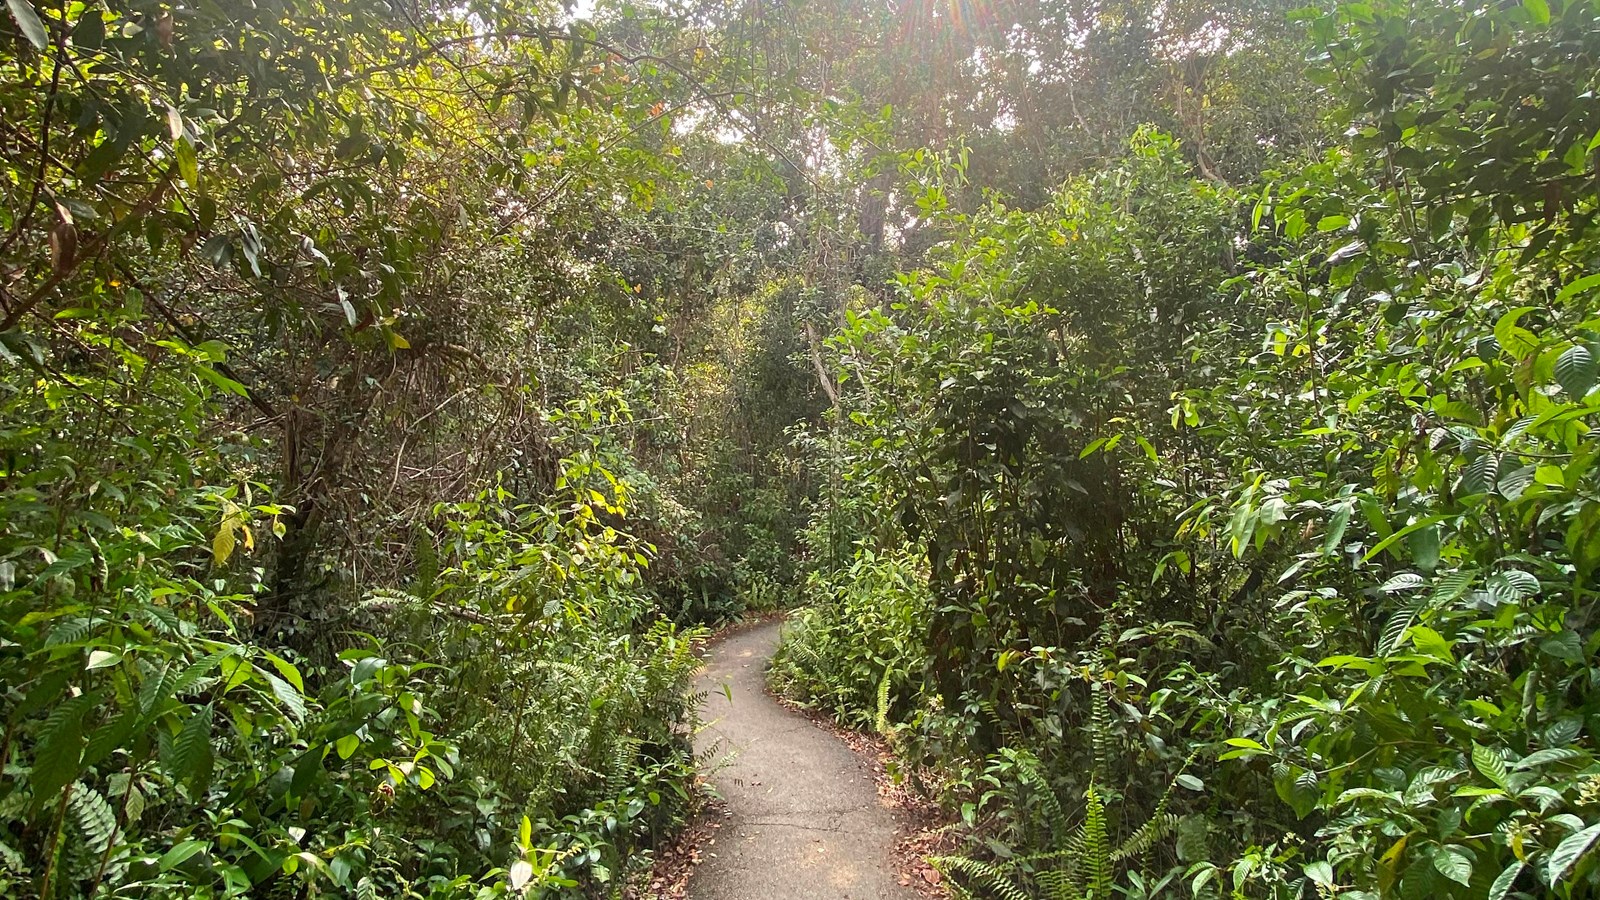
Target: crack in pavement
{"points": [[826, 835]]}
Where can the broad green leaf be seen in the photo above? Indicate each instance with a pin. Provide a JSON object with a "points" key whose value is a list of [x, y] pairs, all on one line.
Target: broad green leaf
{"points": [[29, 23], [1480, 475], [1430, 642], [1402, 533], [1576, 369], [293, 701], [60, 748], [1502, 884], [1320, 872], [1490, 764], [1569, 851], [1550, 755], [1453, 864], [1513, 338], [1424, 546], [180, 853], [1336, 527], [192, 757], [1405, 581], [223, 544], [287, 669], [102, 659], [1586, 282], [188, 162]]}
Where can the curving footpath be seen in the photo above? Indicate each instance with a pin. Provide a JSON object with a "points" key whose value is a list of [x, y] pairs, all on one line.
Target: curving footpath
{"points": [[805, 821]]}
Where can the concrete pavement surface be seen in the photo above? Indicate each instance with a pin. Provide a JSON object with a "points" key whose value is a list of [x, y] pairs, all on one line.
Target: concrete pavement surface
{"points": [[806, 822]]}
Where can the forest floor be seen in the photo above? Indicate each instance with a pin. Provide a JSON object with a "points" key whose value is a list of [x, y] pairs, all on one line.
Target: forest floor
{"points": [[804, 819]]}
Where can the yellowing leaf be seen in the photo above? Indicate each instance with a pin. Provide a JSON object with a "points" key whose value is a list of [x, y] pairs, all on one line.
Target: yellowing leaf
{"points": [[223, 544]]}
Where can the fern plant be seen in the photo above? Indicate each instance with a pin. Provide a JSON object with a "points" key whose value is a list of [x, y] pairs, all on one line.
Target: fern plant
{"points": [[1086, 861], [1083, 868]]}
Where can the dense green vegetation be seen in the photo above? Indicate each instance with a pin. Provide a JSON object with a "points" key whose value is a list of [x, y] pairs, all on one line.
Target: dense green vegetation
{"points": [[1171, 421], [1249, 525]]}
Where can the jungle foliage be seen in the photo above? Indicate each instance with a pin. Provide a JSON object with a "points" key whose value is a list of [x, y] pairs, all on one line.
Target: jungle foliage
{"points": [[1172, 419], [345, 355], [1257, 509]]}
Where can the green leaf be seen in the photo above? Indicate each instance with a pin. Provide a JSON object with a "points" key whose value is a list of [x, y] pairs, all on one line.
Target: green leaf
{"points": [[1576, 370], [1320, 871], [286, 669], [208, 374], [1570, 850], [60, 748], [1514, 339], [1405, 581], [95, 820], [192, 758], [188, 162], [1490, 763], [1587, 281], [1539, 10], [1336, 527], [1480, 475], [293, 701], [28, 22], [1424, 544], [1453, 864], [110, 736], [222, 545], [1550, 755], [307, 769], [1402, 533], [1430, 643], [1502, 885], [102, 659], [179, 854]]}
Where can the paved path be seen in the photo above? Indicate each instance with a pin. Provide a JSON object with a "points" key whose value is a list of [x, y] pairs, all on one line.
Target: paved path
{"points": [[806, 821]]}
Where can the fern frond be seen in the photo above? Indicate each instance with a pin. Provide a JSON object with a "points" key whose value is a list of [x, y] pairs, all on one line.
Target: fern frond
{"points": [[162, 620], [1099, 728], [94, 818], [1029, 774], [881, 720], [987, 875], [70, 631], [1068, 856], [1096, 846], [1160, 824], [1060, 884], [192, 757], [624, 757], [1155, 829]]}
